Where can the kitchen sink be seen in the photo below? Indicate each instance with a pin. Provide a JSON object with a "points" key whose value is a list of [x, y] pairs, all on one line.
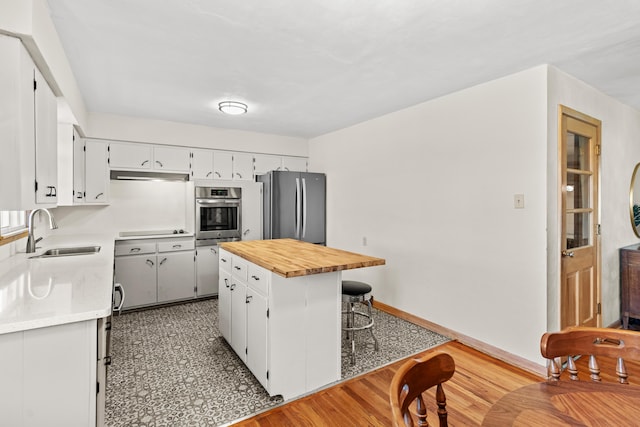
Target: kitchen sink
{"points": [[78, 250]]}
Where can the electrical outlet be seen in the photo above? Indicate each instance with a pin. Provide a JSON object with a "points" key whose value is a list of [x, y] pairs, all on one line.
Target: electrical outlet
{"points": [[518, 201]]}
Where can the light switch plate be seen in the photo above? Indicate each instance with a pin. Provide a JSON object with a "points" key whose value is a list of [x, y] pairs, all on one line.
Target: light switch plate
{"points": [[518, 201]]}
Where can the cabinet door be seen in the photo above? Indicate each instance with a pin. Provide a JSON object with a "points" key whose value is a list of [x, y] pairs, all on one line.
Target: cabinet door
{"points": [[202, 164], [257, 335], [252, 211], [239, 318], [171, 159], [46, 128], [207, 270], [242, 167], [78, 169], [294, 164], [224, 304], [129, 156], [96, 172], [176, 276], [263, 163], [137, 275], [222, 165]]}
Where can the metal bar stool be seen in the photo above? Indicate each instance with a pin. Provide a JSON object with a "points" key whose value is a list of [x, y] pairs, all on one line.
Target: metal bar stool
{"points": [[357, 292]]}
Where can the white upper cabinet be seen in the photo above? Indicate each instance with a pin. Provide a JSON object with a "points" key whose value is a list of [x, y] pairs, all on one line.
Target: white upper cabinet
{"points": [[202, 164], [96, 178], [20, 121], [46, 117], [264, 163], [124, 155], [243, 167], [171, 159], [296, 164], [222, 165]]}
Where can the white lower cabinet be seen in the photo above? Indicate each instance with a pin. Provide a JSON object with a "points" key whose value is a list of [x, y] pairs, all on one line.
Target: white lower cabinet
{"points": [[154, 271], [207, 276], [49, 376], [286, 330]]}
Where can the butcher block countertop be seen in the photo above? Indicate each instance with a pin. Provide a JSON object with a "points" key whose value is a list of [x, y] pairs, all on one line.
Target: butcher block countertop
{"points": [[293, 258]]}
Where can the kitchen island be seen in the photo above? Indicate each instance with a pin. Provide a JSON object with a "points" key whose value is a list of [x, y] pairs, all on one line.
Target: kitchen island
{"points": [[279, 309]]}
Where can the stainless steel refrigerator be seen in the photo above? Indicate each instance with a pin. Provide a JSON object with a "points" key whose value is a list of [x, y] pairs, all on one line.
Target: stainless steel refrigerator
{"points": [[294, 205]]}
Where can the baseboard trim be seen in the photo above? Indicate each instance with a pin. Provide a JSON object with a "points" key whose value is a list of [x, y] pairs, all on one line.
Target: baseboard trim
{"points": [[483, 347]]}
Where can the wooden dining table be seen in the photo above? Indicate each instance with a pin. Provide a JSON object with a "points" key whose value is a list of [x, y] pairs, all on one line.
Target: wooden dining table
{"points": [[567, 403]]}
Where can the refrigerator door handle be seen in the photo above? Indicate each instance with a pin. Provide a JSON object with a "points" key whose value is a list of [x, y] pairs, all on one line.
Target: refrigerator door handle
{"points": [[304, 208], [298, 210]]}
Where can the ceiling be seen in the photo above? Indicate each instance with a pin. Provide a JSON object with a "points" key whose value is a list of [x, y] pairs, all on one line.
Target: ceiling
{"points": [[309, 67]]}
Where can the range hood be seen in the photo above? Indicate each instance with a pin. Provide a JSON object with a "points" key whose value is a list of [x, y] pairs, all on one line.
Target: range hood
{"points": [[148, 176]]}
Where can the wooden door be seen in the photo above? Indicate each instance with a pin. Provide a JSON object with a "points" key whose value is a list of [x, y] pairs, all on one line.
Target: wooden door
{"points": [[580, 275]]}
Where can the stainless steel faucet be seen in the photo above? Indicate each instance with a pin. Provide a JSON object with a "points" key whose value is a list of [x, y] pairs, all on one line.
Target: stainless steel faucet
{"points": [[31, 241]]}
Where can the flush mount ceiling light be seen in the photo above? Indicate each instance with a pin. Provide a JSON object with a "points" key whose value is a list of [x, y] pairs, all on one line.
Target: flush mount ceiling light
{"points": [[232, 107]]}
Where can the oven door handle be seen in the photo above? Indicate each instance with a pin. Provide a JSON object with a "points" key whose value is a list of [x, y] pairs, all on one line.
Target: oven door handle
{"points": [[118, 288], [218, 202]]}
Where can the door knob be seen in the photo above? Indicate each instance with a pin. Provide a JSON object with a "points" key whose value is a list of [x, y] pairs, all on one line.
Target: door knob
{"points": [[567, 254]]}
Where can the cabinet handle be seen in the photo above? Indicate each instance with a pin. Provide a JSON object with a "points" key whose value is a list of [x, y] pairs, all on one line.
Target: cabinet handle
{"points": [[55, 191], [214, 251], [256, 278], [134, 250], [79, 195], [163, 261], [50, 188], [150, 263], [99, 194], [217, 173], [286, 168], [248, 299], [160, 163], [223, 260], [177, 246], [237, 268], [247, 231], [233, 286], [207, 176], [118, 288], [142, 164], [239, 175], [226, 282]]}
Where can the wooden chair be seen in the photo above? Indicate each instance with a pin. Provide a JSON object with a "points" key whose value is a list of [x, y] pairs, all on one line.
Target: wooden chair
{"points": [[411, 380], [618, 344]]}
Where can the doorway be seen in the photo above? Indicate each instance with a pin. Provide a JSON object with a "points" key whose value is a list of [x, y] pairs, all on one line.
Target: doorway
{"points": [[579, 137]]}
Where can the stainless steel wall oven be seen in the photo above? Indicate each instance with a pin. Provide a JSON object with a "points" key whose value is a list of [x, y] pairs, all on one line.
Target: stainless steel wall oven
{"points": [[218, 213]]}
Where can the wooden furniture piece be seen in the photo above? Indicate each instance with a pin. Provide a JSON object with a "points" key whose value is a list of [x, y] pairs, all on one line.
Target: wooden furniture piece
{"points": [[629, 284], [354, 292], [583, 341], [279, 309], [567, 403], [411, 380]]}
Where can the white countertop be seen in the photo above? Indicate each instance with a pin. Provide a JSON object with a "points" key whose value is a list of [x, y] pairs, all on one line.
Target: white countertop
{"points": [[41, 292]]}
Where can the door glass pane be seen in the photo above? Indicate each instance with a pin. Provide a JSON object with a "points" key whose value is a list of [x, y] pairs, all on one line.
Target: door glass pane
{"points": [[578, 228], [578, 191], [578, 152]]}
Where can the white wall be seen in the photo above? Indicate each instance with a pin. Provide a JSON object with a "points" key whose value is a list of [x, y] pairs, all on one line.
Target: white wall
{"points": [[432, 187], [620, 154]]}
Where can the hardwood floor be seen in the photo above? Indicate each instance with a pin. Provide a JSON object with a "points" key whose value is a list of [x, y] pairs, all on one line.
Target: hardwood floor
{"points": [[479, 382]]}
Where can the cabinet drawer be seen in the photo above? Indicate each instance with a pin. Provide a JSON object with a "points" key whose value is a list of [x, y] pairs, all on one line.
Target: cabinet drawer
{"points": [[176, 245], [134, 248], [225, 261], [239, 268], [258, 279]]}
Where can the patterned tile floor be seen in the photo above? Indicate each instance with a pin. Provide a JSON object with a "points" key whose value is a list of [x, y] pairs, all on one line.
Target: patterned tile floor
{"points": [[171, 367]]}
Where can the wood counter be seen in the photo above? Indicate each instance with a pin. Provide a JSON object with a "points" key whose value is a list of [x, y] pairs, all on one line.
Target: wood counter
{"points": [[293, 258]]}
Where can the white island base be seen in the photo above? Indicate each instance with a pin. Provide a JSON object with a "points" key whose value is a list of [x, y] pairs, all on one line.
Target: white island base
{"points": [[286, 330]]}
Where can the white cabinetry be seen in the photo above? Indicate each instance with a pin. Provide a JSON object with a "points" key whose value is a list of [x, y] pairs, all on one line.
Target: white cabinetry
{"points": [[252, 211], [242, 167], [207, 275], [28, 132], [83, 169], [202, 164], [155, 271], [286, 330], [134, 156], [49, 376], [222, 165], [264, 163], [96, 172]]}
